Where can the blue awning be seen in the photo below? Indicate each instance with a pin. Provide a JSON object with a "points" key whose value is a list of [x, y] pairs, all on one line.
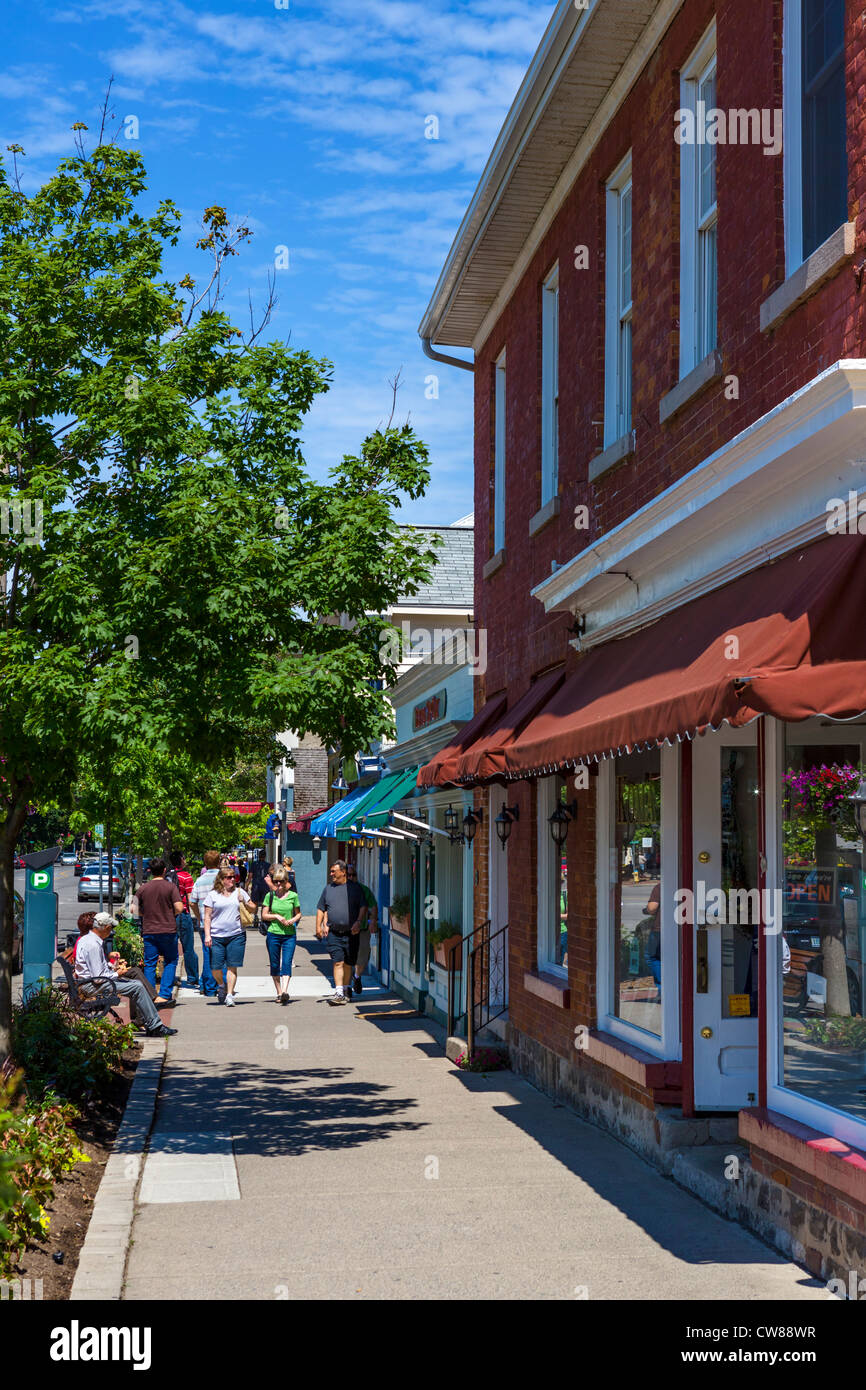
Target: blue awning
{"points": [[325, 824]]}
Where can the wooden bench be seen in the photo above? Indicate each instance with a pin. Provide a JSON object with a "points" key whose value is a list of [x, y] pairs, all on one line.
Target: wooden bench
{"points": [[95, 1005]]}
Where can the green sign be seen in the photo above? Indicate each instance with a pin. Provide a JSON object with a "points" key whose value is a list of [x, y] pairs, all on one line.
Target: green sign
{"points": [[40, 879]]}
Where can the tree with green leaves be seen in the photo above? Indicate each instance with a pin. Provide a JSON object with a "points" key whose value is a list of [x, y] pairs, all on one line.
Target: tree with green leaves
{"points": [[169, 571]]}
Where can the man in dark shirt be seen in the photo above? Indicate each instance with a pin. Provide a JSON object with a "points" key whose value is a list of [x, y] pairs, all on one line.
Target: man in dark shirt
{"points": [[340, 914], [160, 904]]}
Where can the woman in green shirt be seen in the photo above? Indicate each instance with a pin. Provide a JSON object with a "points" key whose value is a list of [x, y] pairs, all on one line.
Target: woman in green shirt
{"points": [[281, 910]]}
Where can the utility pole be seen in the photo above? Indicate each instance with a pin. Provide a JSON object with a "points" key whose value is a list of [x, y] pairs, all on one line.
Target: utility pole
{"points": [[110, 862]]}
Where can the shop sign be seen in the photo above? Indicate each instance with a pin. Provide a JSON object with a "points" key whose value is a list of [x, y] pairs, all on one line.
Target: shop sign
{"points": [[813, 887], [430, 711]]}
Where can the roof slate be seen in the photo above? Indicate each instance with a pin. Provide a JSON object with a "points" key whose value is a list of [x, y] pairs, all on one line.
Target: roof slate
{"points": [[452, 583]]}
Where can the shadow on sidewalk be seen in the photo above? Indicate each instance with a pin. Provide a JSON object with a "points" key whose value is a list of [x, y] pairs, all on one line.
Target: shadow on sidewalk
{"points": [[273, 1111]]}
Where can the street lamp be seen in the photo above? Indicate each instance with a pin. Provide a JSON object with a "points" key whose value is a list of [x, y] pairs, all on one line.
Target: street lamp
{"points": [[504, 821], [560, 820]]}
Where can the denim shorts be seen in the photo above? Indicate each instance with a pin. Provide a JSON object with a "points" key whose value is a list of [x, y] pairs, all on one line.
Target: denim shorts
{"points": [[228, 950]]}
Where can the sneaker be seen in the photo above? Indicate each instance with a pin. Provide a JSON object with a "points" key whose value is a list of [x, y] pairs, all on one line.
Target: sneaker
{"points": [[162, 1032], [189, 984], [230, 999], [284, 998], [338, 999], [221, 994], [357, 984]]}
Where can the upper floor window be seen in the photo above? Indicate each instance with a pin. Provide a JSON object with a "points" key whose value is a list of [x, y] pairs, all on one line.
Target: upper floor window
{"points": [[698, 210], [550, 386], [618, 305], [816, 163], [499, 455]]}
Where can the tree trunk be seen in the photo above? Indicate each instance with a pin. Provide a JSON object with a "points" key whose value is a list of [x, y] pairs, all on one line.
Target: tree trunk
{"points": [[165, 839], [832, 923], [9, 832]]}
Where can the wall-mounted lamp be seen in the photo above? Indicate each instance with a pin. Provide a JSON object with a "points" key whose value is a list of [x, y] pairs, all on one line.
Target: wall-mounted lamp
{"points": [[471, 822], [317, 842], [504, 821], [560, 821]]}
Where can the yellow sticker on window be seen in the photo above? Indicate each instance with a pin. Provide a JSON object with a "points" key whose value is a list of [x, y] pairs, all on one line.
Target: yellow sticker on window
{"points": [[739, 1005]]}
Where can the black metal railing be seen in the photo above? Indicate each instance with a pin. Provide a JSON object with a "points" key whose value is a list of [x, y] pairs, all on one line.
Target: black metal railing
{"points": [[486, 980]]}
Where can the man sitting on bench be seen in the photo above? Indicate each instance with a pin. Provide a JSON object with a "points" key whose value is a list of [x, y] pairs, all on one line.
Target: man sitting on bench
{"points": [[91, 967]]}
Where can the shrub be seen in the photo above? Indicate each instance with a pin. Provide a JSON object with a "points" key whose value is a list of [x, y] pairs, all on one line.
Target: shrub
{"points": [[443, 932], [61, 1053], [401, 906], [128, 941], [37, 1144], [482, 1059], [836, 1032]]}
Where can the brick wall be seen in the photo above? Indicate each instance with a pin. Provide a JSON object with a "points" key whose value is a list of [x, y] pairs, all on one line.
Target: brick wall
{"points": [[522, 639]]}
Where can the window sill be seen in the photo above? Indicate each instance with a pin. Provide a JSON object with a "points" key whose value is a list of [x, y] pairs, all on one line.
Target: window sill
{"points": [[551, 988], [827, 1160], [641, 1068], [809, 277], [613, 454], [544, 515], [710, 369], [493, 564]]}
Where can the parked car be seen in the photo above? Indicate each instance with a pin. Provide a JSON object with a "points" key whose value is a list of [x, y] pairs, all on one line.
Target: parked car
{"points": [[18, 934], [89, 884]]}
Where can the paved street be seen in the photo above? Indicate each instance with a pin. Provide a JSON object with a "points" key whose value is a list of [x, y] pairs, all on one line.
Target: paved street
{"points": [[305, 1152]]}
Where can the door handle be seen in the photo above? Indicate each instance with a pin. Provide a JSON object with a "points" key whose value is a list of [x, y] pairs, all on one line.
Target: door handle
{"points": [[702, 984]]}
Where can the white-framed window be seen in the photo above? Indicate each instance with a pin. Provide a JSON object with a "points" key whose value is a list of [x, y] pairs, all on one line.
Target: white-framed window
{"points": [[815, 144], [618, 305], [552, 882], [637, 872], [550, 386], [499, 454], [698, 210], [816, 964]]}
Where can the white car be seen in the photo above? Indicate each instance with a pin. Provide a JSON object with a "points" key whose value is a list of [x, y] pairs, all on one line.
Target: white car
{"points": [[89, 884]]}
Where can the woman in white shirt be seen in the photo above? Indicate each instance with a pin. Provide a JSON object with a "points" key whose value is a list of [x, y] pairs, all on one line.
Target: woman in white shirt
{"points": [[224, 932]]}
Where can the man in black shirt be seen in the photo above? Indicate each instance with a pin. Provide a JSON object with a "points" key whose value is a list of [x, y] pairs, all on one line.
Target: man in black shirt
{"points": [[340, 914]]}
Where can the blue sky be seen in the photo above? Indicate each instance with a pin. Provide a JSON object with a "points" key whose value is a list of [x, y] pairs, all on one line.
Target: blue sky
{"points": [[308, 124]]}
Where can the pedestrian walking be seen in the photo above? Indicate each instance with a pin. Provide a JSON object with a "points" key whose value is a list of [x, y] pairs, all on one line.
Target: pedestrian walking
{"points": [[290, 873], [260, 879], [179, 875], [91, 968], [369, 929], [159, 904], [224, 932], [281, 912], [340, 915], [200, 889]]}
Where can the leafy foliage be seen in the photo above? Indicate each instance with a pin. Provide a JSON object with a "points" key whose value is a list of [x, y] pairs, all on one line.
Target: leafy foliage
{"points": [[37, 1145], [838, 1033], [175, 579], [481, 1059], [62, 1053], [128, 941]]}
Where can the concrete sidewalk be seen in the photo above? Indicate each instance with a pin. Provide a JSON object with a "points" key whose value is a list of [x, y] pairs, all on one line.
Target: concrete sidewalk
{"points": [[305, 1152]]}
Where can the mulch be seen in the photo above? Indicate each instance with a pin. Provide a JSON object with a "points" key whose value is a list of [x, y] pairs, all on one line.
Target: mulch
{"points": [[74, 1192]]}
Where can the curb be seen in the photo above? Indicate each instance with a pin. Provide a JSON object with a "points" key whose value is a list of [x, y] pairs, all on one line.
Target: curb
{"points": [[102, 1263]]}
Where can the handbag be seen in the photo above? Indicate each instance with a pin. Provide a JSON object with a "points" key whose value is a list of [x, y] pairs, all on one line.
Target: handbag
{"points": [[247, 916]]}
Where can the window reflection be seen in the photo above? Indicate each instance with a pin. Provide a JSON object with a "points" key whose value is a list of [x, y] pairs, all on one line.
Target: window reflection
{"points": [[636, 907], [824, 927]]}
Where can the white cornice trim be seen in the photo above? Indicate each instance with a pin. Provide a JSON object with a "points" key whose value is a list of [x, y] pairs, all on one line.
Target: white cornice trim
{"points": [[761, 494]]}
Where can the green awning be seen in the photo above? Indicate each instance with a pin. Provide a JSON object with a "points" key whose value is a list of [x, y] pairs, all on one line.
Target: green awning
{"points": [[372, 811], [377, 816], [368, 802]]}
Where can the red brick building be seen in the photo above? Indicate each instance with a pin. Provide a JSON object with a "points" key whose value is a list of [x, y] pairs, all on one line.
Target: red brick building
{"points": [[662, 279]]}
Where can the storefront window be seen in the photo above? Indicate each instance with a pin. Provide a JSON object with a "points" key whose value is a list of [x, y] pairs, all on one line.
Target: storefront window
{"points": [[739, 930], [553, 881], [636, 915], [824, 926]]}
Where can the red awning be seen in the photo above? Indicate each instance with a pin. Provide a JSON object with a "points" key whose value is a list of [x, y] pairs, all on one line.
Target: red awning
{"points": [[440, 770], [301, 826], [485, 759], [788, 639]]}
